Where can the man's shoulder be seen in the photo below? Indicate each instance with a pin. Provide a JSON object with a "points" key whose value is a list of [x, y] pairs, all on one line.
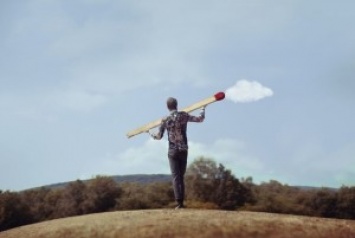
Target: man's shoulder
{"points": [[183, 113], [179, 115], [164, 119], [183, 117]]}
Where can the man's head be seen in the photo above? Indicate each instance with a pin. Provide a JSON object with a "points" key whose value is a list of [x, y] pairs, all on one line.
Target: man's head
{"points": [[171, 103]]}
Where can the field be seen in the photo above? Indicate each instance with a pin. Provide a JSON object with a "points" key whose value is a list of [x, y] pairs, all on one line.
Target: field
{"points": [[186, 223]]}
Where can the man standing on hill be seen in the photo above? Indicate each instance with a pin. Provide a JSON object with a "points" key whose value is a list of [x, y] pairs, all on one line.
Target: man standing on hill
{"points": [[176, 125]]}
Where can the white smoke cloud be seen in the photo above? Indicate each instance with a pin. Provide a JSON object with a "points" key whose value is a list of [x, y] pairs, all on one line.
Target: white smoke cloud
{"points": [[247, 91]]}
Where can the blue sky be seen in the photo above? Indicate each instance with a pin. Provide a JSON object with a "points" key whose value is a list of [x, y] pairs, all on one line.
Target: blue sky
{"points": [[76, 76]]}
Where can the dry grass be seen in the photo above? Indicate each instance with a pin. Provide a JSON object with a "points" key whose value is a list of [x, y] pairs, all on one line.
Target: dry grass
{"points": [[186, 223]]}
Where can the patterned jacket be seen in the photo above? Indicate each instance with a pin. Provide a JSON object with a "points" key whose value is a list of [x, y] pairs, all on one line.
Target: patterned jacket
{"points": [[176, 125]]}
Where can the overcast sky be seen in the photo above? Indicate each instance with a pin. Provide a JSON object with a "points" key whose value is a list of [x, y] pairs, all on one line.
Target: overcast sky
{"points": [[76, 76]]}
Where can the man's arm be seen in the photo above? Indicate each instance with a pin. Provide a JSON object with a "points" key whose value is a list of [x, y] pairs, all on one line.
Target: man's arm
{"points": [[199, 118], [160, 133]]}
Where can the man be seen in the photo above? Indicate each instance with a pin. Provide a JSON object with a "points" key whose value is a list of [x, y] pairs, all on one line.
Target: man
{"points": [[176, 124]]}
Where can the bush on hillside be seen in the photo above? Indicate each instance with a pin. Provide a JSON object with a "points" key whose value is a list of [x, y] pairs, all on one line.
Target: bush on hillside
{"points": [[13, 211], [210, 183]]}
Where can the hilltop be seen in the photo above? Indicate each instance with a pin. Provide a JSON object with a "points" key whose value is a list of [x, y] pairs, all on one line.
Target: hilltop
{"points": [[186, 223]]}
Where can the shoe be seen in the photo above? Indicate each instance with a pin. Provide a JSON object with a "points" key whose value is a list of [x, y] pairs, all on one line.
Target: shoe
{"points": [[180, 206]]}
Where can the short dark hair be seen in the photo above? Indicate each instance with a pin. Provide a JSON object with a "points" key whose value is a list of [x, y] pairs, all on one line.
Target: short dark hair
{"points": [[171, 103]]}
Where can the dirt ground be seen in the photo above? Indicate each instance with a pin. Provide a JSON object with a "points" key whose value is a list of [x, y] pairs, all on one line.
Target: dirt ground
{"points": [[186, 223]]}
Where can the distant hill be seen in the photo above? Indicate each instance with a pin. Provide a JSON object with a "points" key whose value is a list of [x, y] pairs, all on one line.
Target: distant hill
{"points": [[309, 188], [153, 178], [142, 178], [134, 178]]}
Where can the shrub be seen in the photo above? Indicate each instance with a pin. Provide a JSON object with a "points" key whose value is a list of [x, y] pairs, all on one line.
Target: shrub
{"points": [[13, 211]]}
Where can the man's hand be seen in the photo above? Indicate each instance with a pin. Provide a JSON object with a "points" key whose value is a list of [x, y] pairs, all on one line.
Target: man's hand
{"points": [[202, 113], [152, 135]]}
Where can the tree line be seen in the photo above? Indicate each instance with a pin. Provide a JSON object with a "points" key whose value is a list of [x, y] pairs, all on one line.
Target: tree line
{"points": [[208, 186]]}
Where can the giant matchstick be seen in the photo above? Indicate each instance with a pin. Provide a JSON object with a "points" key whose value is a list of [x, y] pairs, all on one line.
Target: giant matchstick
{"points": [[217, 97]]}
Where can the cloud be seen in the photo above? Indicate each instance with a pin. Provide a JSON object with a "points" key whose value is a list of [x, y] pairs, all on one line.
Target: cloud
{"points": [[46, 106], [336, 166], [236, 155], [247, 91], [109, 53], [232, 153], [316, 164], [24, 106], [151, 158], [78, 100]]}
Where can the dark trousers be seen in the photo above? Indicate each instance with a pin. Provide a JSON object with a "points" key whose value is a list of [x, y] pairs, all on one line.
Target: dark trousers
{"points": [[178, 161]]}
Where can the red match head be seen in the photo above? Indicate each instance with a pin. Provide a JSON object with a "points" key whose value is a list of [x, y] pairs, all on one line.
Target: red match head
{"points": [[219, 96]]}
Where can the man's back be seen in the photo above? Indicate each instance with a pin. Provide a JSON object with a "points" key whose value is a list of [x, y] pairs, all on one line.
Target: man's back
{"points": [[176, 125]]}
